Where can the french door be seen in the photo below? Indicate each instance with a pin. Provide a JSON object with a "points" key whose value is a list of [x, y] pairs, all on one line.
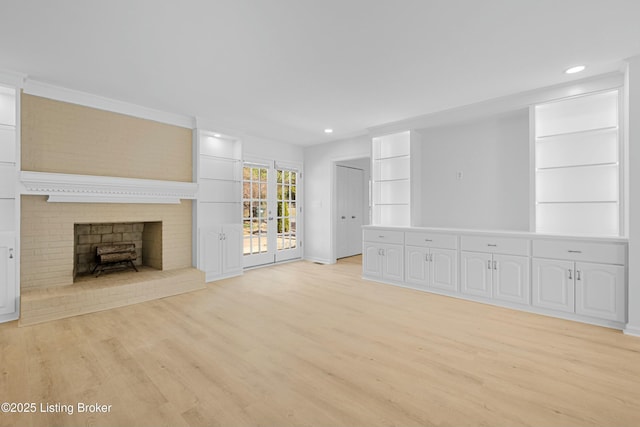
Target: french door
{"points": [[270, 218]]}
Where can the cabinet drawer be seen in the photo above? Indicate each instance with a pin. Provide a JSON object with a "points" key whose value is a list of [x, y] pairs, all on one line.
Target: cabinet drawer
{"points": [[604, 253], [496, 245], [384, 236], [431, 240]]}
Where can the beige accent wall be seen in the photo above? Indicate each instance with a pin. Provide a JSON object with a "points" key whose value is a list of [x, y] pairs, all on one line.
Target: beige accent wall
{"points": [[47, 235], [67, 138]]}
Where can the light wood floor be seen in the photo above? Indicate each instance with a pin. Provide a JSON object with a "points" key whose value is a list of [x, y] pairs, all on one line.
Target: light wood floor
{"points": [[303, 344]]}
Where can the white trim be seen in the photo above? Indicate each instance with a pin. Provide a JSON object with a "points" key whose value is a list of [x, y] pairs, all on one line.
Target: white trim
{"points": [[46, 90], [632, 331], [105, 189], [319, 260], [12, 78]]}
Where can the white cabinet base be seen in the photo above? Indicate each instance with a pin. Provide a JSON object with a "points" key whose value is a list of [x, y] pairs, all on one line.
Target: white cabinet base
{"points": [[8, 294], [504, 271]]}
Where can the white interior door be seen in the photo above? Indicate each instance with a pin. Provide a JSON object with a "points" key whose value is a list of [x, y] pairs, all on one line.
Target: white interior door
{"points": [[270, 214], [349, 210]]}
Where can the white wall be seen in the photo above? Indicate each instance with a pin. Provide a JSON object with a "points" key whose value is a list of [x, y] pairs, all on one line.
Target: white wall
{"points": [[259, 148], [493, 156], [318, 184]]}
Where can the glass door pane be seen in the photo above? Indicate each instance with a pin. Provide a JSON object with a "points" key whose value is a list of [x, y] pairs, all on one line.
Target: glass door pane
{"points": [[286, 187], [255, 216]]}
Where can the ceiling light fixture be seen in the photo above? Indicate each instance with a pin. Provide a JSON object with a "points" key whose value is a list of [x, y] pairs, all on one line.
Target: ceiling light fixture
{"points": [[328, 130], [575, 69], [217, 135]]}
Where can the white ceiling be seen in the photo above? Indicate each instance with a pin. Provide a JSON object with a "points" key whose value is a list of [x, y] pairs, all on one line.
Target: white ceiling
{"points": [[287, 69]]}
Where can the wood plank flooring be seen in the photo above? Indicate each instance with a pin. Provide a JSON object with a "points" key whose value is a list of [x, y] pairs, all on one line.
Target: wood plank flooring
{"points": [[303, 344]]}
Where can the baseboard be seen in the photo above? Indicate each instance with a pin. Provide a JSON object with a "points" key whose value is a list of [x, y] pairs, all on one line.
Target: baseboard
{"points": [[632, 331], [319, 260]]}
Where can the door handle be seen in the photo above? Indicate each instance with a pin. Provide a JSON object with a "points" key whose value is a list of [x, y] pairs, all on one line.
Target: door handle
{"points": [[570, 276], [270, 218], [343, 217], [577, 274], [495, 265], [489, 265], [353, 217], [10, 253]]}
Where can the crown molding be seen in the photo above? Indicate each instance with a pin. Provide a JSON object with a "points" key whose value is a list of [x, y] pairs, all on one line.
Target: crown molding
{"points": [[12, 78], [58, 93], [105, 189]]}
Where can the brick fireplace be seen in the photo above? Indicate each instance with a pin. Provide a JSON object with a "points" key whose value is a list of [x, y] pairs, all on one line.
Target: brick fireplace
{"points": [[58, 241], [146, 236], [86, 170]]}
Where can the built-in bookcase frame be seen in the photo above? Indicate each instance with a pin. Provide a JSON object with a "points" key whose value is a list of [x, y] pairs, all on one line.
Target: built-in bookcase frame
{"points": [[578, 165]]}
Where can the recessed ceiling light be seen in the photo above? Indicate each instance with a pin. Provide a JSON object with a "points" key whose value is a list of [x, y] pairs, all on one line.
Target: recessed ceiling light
{"points": [[328, 131], [217, 135], [575, 69]]}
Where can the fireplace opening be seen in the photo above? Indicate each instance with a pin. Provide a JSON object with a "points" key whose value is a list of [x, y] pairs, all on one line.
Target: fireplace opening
{"points": [[145, 237]]}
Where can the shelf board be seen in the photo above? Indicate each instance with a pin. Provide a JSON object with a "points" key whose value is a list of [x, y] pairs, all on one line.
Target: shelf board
{"points": [[543, 138], [576, 202], [377, 159], [229, 159], [377, 181], [577, 166]]}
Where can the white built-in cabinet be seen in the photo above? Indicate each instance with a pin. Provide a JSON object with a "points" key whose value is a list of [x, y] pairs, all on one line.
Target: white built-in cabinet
{"points": [[394, 167], [431, 261], [576, 278], [495, 268], [383, 255], [221, 250], [7, 274], [218, 207], [9, 285], [564, 280]]}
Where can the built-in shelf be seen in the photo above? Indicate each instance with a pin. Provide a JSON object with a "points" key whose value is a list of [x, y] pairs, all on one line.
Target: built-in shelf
{"points": [[577, 165], [391, 176], [579, 132]]}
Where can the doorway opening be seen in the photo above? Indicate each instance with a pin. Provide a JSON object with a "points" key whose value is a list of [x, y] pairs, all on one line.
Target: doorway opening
{"points": [[352, 207], [271, 213]]}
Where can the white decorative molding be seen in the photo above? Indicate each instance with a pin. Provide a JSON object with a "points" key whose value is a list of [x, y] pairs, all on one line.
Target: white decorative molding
{"points": [[12, 78], [46, 90], [105, 189]]}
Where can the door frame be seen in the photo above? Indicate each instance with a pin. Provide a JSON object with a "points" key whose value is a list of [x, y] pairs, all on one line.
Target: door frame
{"points": [[333, 226], [272, 167]]}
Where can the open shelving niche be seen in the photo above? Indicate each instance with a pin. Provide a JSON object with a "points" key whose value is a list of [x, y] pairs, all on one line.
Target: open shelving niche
{"points": [[577, 165], [393, 198]]}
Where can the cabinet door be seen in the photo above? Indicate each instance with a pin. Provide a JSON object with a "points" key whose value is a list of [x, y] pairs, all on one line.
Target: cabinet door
{"points": [[371, 261], [476, 272], [600, 291], [553, 285], [511, 278], [7, 274], [232, 253], [444, 269], [210, 252], [417, 272], [393, 262]]}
